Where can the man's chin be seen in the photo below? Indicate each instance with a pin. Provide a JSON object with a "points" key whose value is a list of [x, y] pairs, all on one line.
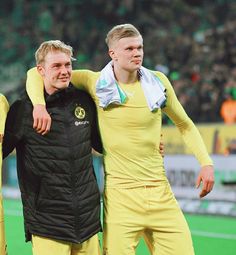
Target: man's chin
{"points": [[63, 84], [137, 65], [135, 68], [61, 87]]}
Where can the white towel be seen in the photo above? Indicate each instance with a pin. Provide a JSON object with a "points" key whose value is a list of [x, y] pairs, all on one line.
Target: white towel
{"points": [[109, 92]]}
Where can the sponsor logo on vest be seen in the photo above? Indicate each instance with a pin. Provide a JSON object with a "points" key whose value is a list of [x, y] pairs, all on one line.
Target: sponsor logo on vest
{"points": [[77, 123], [79, 112]]}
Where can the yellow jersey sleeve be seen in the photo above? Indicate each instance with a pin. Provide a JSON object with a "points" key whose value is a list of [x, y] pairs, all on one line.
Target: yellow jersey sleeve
{"points": [[85, 79], [188, 130], [35, 87]]}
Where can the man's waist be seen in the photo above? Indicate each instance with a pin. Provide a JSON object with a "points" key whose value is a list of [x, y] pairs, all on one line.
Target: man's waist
{"points": [[112, 182]]}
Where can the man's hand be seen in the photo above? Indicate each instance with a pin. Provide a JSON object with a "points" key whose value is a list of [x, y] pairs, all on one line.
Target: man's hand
{"points": [[206, 176], [42, 120]]}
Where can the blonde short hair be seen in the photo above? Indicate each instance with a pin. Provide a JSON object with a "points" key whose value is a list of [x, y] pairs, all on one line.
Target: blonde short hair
{"points": [[121, 31], [52, 45]]}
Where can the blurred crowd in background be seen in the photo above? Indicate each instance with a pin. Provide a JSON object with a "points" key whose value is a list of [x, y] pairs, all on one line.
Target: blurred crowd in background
{"points": [[192, 42]]}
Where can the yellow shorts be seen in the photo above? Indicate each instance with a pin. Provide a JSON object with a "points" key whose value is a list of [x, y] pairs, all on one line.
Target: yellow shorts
{"points": [[46, 246], [149, 212]]}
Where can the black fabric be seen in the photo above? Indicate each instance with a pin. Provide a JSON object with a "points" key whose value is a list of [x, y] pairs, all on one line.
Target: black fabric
{"points": [[59, 192]]}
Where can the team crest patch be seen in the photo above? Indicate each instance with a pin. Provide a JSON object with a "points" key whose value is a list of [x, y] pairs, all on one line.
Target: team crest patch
{"points": [[80, 112]]}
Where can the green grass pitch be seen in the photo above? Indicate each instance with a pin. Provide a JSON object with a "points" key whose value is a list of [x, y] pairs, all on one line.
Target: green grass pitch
{"points": [[211, 235]]}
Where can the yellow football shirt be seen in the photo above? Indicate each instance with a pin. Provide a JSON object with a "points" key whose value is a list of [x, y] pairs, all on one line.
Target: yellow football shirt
{"points": [[131, 132]]}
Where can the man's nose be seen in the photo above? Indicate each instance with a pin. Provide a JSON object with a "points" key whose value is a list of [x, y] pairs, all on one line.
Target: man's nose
{"points": [[137, 52], [64, 69]]}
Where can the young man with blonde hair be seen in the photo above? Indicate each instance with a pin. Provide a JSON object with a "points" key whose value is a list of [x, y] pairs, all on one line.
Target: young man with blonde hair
{"points": [[130, 100], [3, 114], [60, 196]]}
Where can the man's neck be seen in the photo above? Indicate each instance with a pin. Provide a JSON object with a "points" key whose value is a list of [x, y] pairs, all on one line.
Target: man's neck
{"points": [[51, 90], [124, 76]]}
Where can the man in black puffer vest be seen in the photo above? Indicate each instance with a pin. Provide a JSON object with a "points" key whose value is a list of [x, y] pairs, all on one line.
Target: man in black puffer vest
{"points": [[60, 196]]}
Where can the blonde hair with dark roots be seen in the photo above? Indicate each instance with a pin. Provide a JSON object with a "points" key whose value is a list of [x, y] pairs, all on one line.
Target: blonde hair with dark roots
{"points": [[52, 45], [121, 31]]}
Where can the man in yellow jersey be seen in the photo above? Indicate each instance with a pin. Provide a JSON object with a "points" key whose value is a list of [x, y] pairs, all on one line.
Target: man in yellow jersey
{"points": [[60, 196], [3, 114], [130, 99]]}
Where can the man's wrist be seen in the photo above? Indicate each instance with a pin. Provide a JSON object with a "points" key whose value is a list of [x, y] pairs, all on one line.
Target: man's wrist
{"points": [[38, 103]]}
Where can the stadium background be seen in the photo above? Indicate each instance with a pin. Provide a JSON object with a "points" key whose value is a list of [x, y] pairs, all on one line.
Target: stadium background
{"points": [[192, 42]]}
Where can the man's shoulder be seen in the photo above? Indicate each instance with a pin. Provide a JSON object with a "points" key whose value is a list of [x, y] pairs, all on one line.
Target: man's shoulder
{"points": [[19, 105], [17, 114], [163, 78], [22, 100], [159, 74], [79, 94]]}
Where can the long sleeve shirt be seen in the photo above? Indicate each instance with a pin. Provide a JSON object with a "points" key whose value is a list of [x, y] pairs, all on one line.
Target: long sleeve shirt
{"points": [[131, 132]]}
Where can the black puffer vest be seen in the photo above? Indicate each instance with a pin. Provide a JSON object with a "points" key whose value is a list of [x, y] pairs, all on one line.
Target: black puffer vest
{"points": [[59, 191]]}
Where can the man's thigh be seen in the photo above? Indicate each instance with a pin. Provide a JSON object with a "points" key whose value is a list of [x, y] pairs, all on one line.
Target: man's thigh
{"points": [[124, 210], [152, 212], [89, 247], [167, 232], [168, 243], [42, 246]]}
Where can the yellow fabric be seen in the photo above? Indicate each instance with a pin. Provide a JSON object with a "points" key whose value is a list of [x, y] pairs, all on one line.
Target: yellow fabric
{"points": [[4, 107], [3, 113], [44, 246], [149, 212], [34, 86], [130, 132]]}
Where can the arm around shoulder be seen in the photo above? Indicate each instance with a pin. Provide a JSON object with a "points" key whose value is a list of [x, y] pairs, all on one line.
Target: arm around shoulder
{"points": [[34, 87]]}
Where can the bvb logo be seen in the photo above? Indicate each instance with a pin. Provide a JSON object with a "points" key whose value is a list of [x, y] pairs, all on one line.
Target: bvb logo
{"points": [[79, 112]]}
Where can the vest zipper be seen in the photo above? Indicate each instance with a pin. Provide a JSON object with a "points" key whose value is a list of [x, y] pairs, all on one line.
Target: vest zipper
{"points": [[72, 167]]}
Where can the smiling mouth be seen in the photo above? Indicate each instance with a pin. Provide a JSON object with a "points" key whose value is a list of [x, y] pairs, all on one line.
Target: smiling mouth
{"points": [[64, 79]]}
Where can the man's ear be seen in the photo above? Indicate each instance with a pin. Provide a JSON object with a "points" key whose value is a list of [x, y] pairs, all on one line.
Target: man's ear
{"points": [[40, 69], [112, 54]]}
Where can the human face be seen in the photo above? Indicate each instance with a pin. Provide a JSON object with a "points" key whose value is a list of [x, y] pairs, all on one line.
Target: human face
{"points": [[127, 53], [56, 71]]}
